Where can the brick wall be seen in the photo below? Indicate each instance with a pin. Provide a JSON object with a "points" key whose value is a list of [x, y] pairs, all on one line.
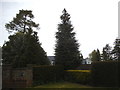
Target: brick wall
{"points": [[16, 77]]}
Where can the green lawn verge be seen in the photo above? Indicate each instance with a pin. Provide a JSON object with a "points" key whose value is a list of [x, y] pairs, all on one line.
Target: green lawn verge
{"points": [[62, 85], [65, 86]]}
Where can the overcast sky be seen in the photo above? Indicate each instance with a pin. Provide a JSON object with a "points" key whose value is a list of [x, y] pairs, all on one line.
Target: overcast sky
{"points": [[95, 21]]}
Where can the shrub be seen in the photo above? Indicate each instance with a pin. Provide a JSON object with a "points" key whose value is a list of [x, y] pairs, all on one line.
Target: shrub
{"points": [[47, 74], [105, 74], [78, 76], [78, 70]]}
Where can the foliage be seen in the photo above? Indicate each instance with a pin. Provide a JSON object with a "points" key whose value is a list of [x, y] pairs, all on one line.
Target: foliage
{"points": [[66, 51], [47, 74], [105, 74], [95, 55], [78, 70], [116, 50], [78, 76], [106, 55], [22, 22], [23, 49], [98, 55]]}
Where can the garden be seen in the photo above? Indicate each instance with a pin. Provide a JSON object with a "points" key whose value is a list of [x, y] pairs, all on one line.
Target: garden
{"points": [[102, 74], [23, 47]]}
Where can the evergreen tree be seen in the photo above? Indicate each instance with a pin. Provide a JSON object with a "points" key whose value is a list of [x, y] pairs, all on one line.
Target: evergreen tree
{"points": [[23, 22], [23, 47], [106, 55], [67, 51], [98, 55], [81, 57], [116, 50]]}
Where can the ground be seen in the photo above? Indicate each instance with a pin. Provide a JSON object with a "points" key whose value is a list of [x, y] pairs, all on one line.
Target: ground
{"points": [[63, 85]]}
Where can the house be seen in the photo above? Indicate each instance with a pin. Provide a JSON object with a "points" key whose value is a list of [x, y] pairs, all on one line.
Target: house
{"points": [[86, 61], [52, 59]]}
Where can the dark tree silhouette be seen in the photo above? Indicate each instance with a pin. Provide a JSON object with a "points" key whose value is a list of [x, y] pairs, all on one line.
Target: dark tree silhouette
{"points": [[116, 50], [23, 47], [67, 51], [22, 22], [98, 55], [106, 55]]}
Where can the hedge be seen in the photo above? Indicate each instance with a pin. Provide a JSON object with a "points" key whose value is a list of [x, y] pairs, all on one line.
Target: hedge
{"points": [[47, 74], [78, 76], [105, 74]]}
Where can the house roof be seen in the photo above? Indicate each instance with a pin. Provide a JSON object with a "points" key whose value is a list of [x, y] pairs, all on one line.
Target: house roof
{"points": [[51, 58]]}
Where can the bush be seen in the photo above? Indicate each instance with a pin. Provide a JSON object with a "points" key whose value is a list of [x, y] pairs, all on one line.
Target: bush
{"points": [[78, 76], [105, 74], [47, 74]]}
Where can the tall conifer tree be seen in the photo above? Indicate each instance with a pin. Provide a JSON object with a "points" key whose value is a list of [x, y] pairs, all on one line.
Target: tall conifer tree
{"points": [[67, 51], [23, 46], [106, 55]]}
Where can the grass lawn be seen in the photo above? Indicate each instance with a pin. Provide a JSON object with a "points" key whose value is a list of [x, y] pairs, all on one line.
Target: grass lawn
{"points": [[62, 85], [65, 86], [69, 86]]}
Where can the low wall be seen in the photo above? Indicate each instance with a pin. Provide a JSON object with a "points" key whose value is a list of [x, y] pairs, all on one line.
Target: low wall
{"points": [[16, 77]]}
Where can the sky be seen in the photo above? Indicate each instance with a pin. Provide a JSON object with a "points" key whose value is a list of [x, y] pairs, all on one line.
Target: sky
{"points": [[95, 21]]}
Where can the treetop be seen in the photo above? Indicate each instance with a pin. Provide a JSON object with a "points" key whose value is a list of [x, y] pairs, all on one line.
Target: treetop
{"points": [[65, 17], [22, 22]]}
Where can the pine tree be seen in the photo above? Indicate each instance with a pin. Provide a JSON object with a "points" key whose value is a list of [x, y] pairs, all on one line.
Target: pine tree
{"points": [[67, 51], [106, 55], [23, 49], [116, 50], [23, 46], [23, 22], [98, 55]]}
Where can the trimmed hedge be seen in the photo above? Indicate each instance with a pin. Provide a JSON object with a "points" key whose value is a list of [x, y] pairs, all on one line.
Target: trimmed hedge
{"points": [[47, 74], [78, 76], [105, 74]]}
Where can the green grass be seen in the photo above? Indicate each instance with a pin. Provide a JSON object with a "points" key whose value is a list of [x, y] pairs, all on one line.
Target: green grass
{"points": [[62, 85], [69, 86], [65, 86]]}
